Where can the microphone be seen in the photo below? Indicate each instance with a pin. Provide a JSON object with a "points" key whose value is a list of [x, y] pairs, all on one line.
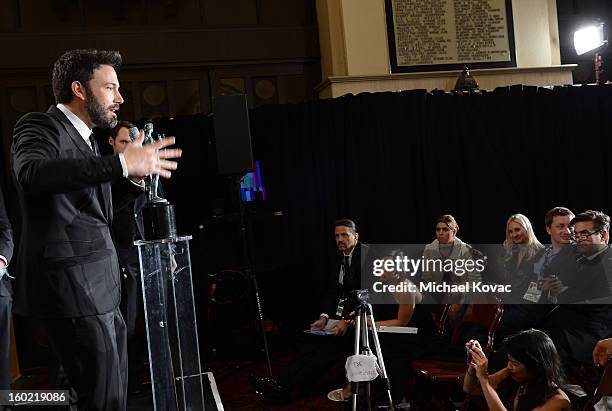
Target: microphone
{"points": [[133, 133]]}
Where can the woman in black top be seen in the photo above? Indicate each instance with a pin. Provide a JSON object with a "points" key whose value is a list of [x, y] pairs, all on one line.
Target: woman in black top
{"points": [[530, 381]]}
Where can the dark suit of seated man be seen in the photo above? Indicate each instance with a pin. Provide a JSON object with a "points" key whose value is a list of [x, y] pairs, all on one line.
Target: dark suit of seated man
{"points": [[68, 273], [580, 282], [318, 353]]}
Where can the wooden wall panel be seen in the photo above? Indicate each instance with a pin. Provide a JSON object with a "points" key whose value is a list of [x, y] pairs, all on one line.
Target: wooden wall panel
{"points": [[285, 12], [9, 17], [154, 99], [173, 12], [114, 14], [53, 15], [187, 97], [230, 13]]}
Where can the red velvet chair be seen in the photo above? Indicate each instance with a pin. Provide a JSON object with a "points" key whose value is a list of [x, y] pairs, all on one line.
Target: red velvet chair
{"points": [[439, 313], [604, 388], [445, 375]]}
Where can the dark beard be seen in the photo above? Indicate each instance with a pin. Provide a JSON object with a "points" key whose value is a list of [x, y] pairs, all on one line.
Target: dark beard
{"points": [[97, 112]]}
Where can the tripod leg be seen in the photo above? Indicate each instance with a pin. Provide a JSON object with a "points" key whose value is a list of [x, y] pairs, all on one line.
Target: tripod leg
{"points": [[381, 361], [361, 347], [365, 349], [357, 350]]}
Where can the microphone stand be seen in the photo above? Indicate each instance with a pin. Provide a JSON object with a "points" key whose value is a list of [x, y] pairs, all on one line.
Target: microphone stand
{"points": [[249, 272]]}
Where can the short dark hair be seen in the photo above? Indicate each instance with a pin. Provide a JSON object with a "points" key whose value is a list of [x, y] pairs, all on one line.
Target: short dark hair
{"points": [[600, 220], [79, 65], [554, 212], [345, 222], [115, 130]]}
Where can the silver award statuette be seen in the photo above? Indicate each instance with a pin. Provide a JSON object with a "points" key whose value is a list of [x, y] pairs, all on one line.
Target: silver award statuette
{"points": [[157, 213], [154, 194]]}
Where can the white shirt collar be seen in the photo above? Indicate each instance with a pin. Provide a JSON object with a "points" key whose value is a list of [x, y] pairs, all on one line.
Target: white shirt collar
{"points": [[80, 126], [350, 255]]}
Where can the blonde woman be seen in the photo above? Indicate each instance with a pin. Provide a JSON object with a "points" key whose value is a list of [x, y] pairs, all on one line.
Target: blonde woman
{"points": [[521, 244], [520, 248]]}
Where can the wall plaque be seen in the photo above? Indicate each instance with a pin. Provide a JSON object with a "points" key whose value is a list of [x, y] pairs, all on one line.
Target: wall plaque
{"points": [[431, 35]]}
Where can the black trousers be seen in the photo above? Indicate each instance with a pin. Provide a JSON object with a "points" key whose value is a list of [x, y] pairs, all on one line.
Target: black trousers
{"points": [[316, 355], [132, 310], [92, 353]]}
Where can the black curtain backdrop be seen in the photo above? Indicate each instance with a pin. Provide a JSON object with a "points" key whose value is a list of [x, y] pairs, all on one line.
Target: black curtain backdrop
{"points": [[393, 162]]}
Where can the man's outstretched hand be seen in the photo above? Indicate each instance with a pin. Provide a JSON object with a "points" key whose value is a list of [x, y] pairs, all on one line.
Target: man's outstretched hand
{"points": [[152, 158]]}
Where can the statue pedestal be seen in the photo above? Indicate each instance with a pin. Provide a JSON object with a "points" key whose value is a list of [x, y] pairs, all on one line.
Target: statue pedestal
{"points": [[174, 357]]}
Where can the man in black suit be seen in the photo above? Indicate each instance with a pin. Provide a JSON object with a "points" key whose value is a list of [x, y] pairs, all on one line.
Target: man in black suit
{"points": [[68, 273], [6, 252], [127, 228], [318, 353], [348, 268], [582, 288]]}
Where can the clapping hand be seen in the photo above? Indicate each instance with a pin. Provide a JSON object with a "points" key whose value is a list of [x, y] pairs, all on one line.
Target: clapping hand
{"points": [[602, 351], [479, 363], [552, 285]]}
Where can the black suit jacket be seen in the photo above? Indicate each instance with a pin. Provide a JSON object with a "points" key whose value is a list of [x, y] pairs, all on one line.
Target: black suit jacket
{"points": [[6, 244], [128, 226], [335, 290], [585, 279], [67, 264]]}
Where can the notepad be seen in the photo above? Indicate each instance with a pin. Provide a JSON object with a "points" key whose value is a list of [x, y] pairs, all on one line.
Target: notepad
{"points": [[328, 330], [397, 330]]}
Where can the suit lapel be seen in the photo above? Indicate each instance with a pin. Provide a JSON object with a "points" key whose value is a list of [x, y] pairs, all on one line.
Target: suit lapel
{"points": [[79, 142], [72, 132]]}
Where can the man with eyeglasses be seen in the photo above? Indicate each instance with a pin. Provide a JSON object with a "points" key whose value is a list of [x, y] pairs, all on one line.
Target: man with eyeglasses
{"points": [[582, 275], [583, 279]]}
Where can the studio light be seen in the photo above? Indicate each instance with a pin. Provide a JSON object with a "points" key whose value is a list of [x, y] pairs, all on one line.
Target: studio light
{"points": [[591, 39]]}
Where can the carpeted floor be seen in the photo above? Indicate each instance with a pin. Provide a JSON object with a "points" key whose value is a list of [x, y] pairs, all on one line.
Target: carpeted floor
{"points": [[232, 379]]}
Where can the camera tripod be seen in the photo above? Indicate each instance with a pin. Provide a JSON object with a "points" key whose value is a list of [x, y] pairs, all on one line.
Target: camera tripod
{"points": [[363, 313]]}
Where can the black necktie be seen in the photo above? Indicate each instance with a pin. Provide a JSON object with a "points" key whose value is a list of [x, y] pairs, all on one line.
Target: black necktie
{"points": [[346, 268], [99, 193], [94, 145]]}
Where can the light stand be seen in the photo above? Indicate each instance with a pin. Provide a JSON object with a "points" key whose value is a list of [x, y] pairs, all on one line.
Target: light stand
{"points": [[598, 69], [244, 234]]}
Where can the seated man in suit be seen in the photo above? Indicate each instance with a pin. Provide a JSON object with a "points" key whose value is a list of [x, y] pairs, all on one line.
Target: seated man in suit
{"points": [[319, 353], [583, 274], [582, 279]]}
